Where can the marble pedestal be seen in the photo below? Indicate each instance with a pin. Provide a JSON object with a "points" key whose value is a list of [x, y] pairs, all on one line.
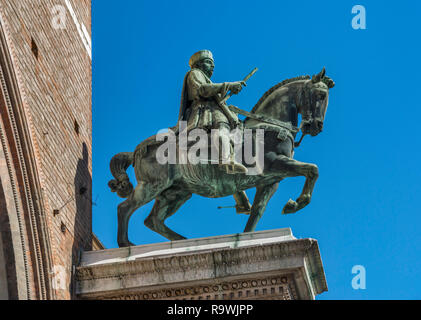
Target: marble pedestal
{"points": [[257, 265]]}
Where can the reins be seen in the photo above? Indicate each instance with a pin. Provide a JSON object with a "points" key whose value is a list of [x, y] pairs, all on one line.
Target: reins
{"points": [[272, 121], [262, 118]]}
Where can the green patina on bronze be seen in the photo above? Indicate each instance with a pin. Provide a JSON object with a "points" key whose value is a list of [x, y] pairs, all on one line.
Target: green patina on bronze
{"points": [[203, 106]]}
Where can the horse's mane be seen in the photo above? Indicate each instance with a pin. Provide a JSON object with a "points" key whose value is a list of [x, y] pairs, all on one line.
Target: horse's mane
{"points": [[280, 84]]}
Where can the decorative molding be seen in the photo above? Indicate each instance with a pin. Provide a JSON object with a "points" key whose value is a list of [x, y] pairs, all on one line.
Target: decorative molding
{"points": [[27, 185], [191, 272], [276, 287], [194, 261]]}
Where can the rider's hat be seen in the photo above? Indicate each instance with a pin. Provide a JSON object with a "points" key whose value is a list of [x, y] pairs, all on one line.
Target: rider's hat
{"points": [[200, 55]]}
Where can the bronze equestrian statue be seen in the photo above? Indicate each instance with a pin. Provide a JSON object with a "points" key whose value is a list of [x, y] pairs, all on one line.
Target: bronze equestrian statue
{"points": [[171, 185]]}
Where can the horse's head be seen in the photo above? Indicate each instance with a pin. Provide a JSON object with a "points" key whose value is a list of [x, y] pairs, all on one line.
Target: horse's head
{"points": [[314, 103]]}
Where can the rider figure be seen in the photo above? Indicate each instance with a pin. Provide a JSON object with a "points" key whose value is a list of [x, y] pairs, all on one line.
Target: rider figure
{"points": [[201, 107]]}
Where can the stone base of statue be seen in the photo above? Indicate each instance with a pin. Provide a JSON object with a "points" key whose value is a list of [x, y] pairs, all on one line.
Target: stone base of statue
{"points": [[257, 265]]}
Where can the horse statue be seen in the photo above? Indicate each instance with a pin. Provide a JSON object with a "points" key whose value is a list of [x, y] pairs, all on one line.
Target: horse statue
{"points": [[171, 185]]}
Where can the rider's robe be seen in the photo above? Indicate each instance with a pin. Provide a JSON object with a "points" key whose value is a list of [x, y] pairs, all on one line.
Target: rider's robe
{"points": [[198, 101]]}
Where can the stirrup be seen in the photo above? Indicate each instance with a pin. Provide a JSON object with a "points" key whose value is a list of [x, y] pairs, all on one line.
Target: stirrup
{"points": [[233, 167], [242, 210]]}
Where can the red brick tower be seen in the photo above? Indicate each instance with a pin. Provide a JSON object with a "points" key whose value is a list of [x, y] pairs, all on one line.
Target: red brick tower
{"points": [[45, 153]]}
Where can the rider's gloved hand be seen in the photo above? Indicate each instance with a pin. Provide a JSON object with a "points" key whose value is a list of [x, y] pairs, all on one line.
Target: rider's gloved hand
{"points": [[236, 87]]}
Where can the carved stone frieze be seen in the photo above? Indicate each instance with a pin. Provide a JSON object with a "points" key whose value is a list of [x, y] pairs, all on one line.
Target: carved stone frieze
{"points": [[261, 265]]}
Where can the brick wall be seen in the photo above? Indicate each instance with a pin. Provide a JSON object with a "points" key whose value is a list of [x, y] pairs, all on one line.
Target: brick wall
{"points": [[54, 75]]}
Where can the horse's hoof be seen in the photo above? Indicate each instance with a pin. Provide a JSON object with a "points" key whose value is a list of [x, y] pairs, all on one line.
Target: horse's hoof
{"points": [[177, 237], [290, 207], [123, 244], [243, 210]]}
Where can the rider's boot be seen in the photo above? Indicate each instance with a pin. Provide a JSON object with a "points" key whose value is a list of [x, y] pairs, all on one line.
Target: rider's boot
{"points": [[231, 166], [227, 161]]}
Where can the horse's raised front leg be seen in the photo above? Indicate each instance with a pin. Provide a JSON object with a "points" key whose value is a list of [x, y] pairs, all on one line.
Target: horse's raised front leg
{"points": [[294, 168], [263, 195], [166, 204]]}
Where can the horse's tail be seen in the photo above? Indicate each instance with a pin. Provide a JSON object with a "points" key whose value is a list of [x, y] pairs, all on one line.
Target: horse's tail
{"points": [[118, 166]]}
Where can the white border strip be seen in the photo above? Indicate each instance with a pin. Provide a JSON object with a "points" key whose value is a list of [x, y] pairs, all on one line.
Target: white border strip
{"points": [[83, 33]]}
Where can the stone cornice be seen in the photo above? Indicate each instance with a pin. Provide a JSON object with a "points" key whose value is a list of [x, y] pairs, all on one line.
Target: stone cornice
{"points": [[191, 261], [299, 257]]}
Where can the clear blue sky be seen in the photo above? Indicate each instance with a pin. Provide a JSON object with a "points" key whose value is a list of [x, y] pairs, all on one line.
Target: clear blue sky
{"points": [[366, 206]]}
